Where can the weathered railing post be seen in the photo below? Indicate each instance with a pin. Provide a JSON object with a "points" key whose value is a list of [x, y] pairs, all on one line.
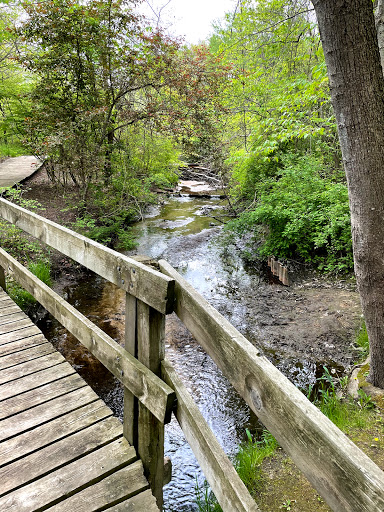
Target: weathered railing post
{"points": [[130, 402], [2, 279], [145, 331]]}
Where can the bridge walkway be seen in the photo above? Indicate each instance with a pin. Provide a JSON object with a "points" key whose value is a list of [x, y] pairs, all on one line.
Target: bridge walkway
{"points": [[61, 449]]}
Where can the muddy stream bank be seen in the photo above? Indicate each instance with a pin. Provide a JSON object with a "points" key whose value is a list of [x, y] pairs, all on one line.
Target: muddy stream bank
{"points": [[299, 328]]}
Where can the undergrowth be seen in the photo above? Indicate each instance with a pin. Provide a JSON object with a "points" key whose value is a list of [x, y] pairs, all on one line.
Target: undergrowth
{"points": [[42, 270], [330, 396]]}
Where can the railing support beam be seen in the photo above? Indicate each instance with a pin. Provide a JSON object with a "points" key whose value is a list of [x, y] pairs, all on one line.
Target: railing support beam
{"points": [[144, 338], [2, 279]]}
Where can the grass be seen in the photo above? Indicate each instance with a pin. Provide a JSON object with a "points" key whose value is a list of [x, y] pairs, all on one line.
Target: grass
{"points": [[41, 269], [330, 396], [248, 464], [362, 341]]}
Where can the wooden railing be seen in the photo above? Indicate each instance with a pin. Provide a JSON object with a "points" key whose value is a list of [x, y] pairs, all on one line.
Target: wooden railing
{"points": [[346, 478]]}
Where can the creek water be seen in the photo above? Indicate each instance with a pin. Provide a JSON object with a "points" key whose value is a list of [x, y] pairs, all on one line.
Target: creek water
{"points": [[181, 233]]}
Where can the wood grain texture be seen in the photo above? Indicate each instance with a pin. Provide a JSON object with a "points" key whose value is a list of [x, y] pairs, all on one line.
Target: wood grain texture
{"points": [[31, 418], [14, 326], [229, 490], [150, 351], [9, 309], [337, 469], [120, 485], [143, 282], [144, 501], [21, 345], [55, 429], [35, 380], [57, 454], [22, 333], [65, 481], [29, 367], [23, 356], [130, 415], [39, 395], [143, 383]]}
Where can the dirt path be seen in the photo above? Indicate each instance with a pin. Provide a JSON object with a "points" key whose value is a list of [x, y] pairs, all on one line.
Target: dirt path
{"points": [[15, 170]]}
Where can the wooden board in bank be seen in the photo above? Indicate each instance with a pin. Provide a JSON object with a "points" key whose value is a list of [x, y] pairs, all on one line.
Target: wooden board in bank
{"points": [[61, 449]]}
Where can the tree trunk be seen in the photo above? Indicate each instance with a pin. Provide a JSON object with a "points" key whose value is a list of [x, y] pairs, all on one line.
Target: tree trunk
{"points": [[347, 30], [379, 19]]}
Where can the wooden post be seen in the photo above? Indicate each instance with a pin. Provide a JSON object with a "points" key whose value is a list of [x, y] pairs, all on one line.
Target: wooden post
{"points": [[130, 421], [144, 338], [2, 279], [150, 329]]}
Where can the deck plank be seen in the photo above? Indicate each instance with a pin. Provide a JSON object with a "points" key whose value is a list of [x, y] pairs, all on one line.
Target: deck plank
{"points": [[5, 303], [58, 454], [61, 449], [144, 501], [37, 396], [35, 380], [7, 361], [123, 484], [22, 344], [19, 334], [54, 430], [12, 318], [29, 367], [15, 326], [45, 412], [72, 478]]}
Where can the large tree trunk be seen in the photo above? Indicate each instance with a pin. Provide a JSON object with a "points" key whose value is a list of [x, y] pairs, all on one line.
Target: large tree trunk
{"points": [[379, 19], [347, 30]]}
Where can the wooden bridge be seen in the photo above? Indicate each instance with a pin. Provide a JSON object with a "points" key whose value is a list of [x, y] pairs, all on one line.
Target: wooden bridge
{"points": [[60, 447]]}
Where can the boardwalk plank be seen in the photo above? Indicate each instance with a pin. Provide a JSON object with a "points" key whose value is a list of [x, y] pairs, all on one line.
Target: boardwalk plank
{"points": [[9, 309], [40, 395], [19, 334], [69, 479], [23, 344], [26, 355], [58, 428], [5, 303], [11, 318], [55, 455], [15, 326], [123, 484], [35, 380], [144, 501], [40, 414], [34, 366]]}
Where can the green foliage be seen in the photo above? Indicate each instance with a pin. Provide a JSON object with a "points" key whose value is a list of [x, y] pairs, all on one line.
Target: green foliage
{"points": [[345, 413], [11, 149], [301, 214], [247, 463], [362, 341], [14, 240], [250, 456], [41, 269]]}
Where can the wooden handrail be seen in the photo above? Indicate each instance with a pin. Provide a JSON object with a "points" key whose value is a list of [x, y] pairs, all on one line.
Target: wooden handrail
{"points": [[135, 376], [226, 484], [144, 283], [347, 479]]}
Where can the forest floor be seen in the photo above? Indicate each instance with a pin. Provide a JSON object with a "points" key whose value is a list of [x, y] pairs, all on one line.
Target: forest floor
{"points": [[314, 314]]}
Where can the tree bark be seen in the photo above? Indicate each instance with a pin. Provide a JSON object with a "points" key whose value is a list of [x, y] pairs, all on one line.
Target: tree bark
{"points": [[347, 30], [379, 20]]}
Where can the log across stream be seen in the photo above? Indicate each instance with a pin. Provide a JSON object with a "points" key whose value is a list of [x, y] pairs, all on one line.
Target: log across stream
{"points": [[268, 315]]}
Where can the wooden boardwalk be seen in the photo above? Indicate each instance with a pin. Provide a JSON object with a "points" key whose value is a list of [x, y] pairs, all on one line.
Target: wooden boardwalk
{"points": [[14, 170], [60, 447]]}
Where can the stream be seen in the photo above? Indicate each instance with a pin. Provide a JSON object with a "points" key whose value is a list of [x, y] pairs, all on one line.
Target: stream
{"points": [[180, 232]]}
